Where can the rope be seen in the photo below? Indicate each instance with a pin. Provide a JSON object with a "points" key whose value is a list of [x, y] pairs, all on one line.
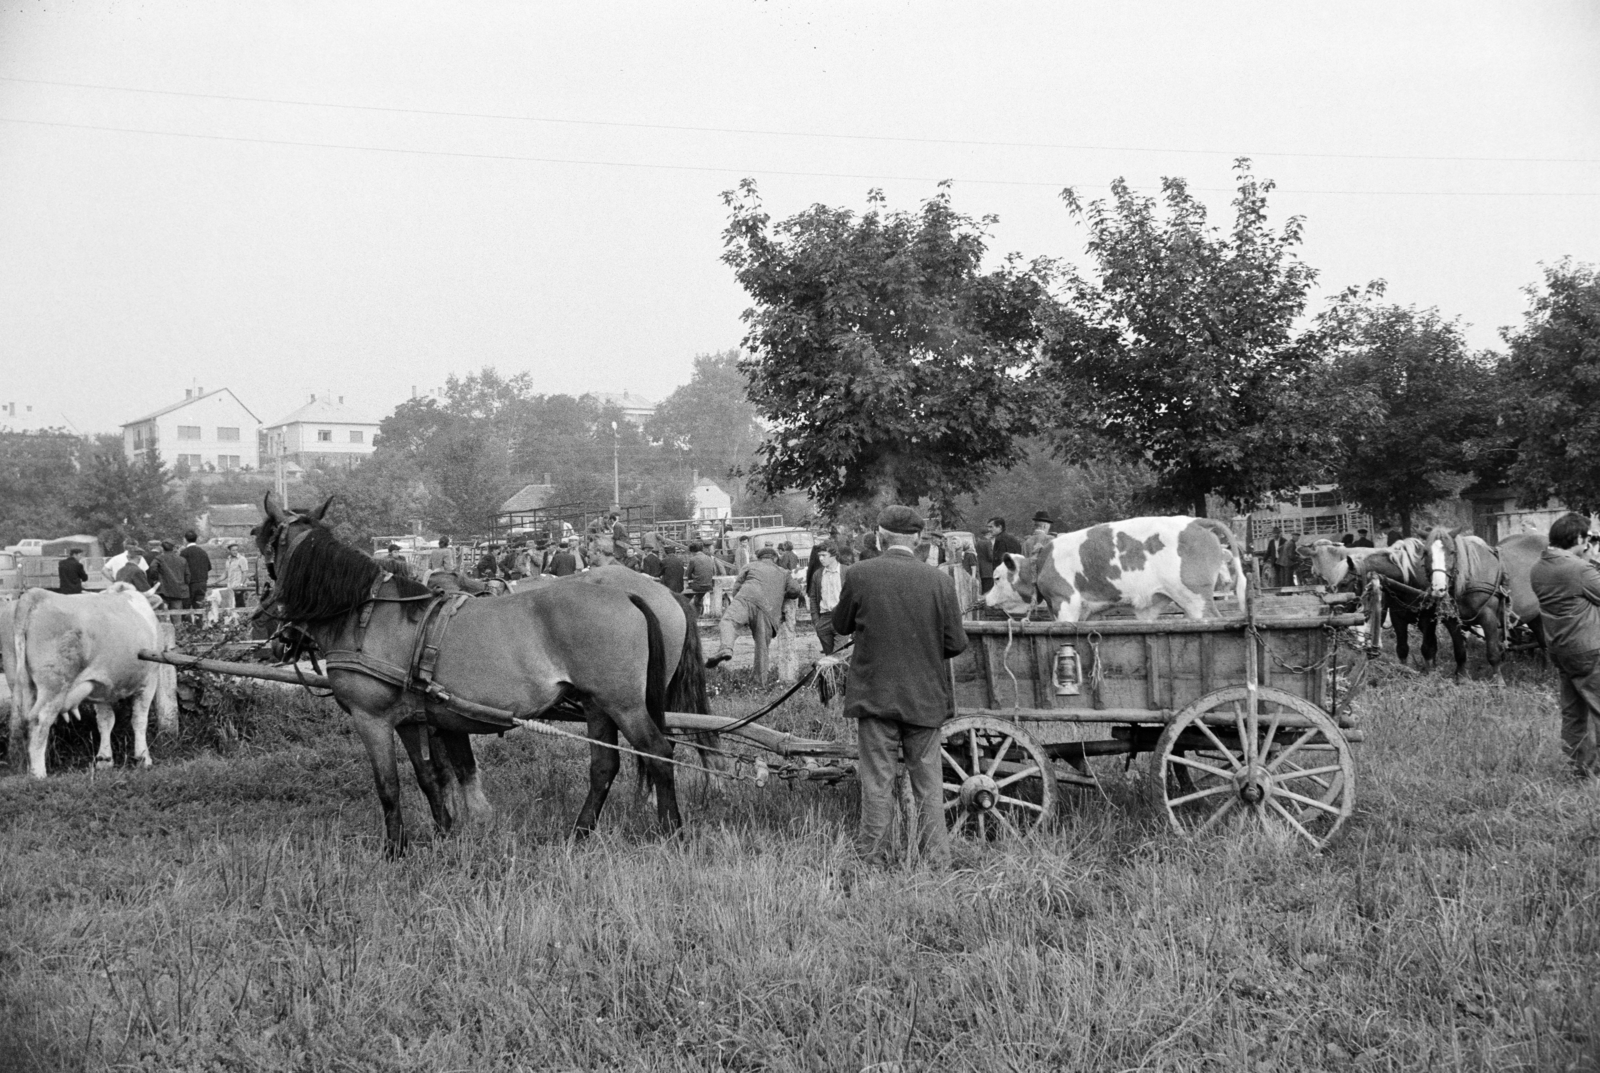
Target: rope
{"points": [[1005, 663], [550, 730]]}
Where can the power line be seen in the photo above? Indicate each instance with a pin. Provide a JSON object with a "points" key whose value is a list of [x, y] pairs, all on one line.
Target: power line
{"points": [[791, 133], [749, 171]]}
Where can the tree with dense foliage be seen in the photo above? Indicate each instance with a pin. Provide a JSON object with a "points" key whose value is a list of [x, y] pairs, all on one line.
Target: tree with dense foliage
{"points": [[711, 418], [1553, 382], [36, 470], [113, 494], [888, 362], [1183, 354], [1076, 495], [1432, 405]]}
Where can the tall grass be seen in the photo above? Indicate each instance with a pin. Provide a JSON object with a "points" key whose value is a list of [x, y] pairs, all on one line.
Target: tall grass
{"points": [[237, 914]]}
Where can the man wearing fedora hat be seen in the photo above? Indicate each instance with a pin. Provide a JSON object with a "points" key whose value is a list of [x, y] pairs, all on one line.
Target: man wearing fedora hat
{"points": [[1040, 536], [906, 622]]}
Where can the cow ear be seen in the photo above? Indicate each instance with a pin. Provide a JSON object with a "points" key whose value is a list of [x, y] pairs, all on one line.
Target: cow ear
{"points": [[317, 514], [274, 509]]}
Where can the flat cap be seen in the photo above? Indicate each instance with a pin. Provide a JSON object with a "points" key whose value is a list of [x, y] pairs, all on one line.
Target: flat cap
{"points": [[899, 519]]}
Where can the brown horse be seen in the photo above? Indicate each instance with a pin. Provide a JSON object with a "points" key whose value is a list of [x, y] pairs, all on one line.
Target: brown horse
{"points": [[594, 647]]}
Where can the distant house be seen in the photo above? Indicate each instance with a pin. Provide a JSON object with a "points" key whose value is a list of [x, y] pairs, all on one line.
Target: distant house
{"points": [[530, 497], [24, 418], [323, 430], [228, 521], [207, 430], [711, 503], [635, 408]]}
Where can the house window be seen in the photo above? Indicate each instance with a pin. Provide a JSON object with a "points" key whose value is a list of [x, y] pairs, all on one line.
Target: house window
{"points": [[228, 434], [188, 432], [191, 460], [357, 437], [324, 435], [228, 461]]}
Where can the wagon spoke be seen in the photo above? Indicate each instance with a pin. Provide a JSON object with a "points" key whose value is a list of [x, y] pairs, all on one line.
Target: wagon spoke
{"points": [[1009, 779], [983, 828], [972, 745], [1207, 768], [1246, 745], [1309, 837], [1198, 794], [1310, 802], [1293, 748], [1222, 810], [954, 802], [1019, 803], [1000, 754], [1221, 748], [1009, 827], [953, 762]]}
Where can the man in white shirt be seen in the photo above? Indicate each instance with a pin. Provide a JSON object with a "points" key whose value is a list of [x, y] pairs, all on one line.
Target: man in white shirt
{"points": [[116, 562]]}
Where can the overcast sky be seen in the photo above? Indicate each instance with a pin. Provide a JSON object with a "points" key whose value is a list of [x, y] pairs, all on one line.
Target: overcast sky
{"points": [[536, 187]]}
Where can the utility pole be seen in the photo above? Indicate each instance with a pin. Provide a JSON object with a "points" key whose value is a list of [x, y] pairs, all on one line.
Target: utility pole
{"points": [[616, 480]]}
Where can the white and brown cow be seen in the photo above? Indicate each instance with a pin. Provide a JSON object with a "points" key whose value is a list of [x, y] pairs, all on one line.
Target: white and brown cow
{"points": [[1129, 562], [70, 650]]}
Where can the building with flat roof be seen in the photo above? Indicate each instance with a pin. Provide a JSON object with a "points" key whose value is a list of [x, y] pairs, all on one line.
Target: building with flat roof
{"points": [[207, 430], [323, 430]]}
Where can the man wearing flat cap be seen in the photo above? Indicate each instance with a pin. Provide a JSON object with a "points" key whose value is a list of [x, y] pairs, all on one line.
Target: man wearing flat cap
{"points": [[906, 622]]}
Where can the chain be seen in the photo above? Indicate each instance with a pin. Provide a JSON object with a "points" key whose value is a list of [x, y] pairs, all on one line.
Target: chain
{"points": [[760, 767]]}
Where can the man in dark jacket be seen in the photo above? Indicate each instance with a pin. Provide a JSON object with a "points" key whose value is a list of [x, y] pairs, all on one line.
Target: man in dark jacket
{"points": [[199, 564], [1567, 584], [651, 565], [132, 570], [906, 622], [763, 586], [672, 570], [563, 563], [698, 575], [173, 574], [70, 573], [1002, 543]]}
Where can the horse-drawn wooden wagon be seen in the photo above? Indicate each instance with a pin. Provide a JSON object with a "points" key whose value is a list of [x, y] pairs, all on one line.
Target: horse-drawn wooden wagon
{"points": [[1245, 716]]}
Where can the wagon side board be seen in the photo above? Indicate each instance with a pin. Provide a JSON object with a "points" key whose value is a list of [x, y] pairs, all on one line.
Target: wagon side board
{"points": [[1137, 671]]}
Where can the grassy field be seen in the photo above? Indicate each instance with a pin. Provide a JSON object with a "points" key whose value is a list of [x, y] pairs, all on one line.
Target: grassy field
{"points": [[234, 913]]}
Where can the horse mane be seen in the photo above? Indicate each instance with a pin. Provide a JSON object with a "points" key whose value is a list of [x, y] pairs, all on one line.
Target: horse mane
{"points": [[324, 579], [1407, 556]]}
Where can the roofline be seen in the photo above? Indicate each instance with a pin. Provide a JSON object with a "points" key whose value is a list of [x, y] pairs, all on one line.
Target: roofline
{"points": [[185, 402]]}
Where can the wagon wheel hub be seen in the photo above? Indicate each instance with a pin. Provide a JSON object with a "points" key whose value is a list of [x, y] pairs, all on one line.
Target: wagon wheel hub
{"points": [[1254, 783], [979, 793]]}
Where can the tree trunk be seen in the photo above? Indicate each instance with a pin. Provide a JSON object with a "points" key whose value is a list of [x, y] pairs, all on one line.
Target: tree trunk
{"points": [[1405, 523], [1200, 505]]}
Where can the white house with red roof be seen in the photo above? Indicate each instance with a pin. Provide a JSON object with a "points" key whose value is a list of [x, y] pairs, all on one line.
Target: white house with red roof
{"points": [[207, 430]]}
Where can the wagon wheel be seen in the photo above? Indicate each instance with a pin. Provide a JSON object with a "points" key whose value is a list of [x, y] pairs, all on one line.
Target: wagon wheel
{"points": [[1296, 772], [998, 781]]}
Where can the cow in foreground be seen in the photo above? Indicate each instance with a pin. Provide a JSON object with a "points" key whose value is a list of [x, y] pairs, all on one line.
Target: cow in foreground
{"points": [[1130, 562], [70, 650]]}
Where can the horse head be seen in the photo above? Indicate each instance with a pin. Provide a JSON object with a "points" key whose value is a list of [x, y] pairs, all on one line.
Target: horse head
{"points": [[1439, 555], [283, 528]]}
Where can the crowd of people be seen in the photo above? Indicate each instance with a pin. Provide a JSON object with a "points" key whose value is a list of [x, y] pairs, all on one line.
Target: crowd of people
{"points": [[178, 573]]}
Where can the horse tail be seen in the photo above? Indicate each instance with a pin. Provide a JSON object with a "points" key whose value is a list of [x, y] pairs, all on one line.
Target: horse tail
{"points": [[686, 692], [655, 678]]}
